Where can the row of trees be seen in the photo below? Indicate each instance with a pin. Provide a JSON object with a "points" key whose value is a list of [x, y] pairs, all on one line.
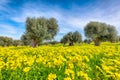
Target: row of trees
{"points": [[43, 29], [94, 31], [7, 41]]}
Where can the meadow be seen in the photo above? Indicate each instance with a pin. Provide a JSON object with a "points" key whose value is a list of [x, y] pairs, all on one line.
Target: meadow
{"points": [[58, 62]]}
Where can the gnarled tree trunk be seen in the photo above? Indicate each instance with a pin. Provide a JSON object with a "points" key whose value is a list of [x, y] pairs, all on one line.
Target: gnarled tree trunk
{"points": [[97, 42], [71, 44], [34, 43]]}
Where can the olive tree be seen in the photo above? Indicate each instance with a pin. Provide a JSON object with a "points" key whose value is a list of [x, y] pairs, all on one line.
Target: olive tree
{"points": [[99, 31], [87, 41], [65, 39], [17, 43], [39, 29], [6, 41], [72, 38]]}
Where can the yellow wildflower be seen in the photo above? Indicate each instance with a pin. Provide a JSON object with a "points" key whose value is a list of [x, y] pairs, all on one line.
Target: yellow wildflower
{"points": [[26, 69], [51, 76], [68, 78]]}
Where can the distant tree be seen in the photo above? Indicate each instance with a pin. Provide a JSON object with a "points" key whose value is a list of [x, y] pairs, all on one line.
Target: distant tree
{"points": [[9, 41], [53, 42], [17, 43], [5, 41], [77, 37], [65, 39], [2, 43], [98, 32], [88, 41], [39, 29], [72, 38]]}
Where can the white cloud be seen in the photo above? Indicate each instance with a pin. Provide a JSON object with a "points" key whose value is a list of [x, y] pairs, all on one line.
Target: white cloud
{"points": [[11, 31], [100, 15], [7, 29], [31, 10], [34, 13]]}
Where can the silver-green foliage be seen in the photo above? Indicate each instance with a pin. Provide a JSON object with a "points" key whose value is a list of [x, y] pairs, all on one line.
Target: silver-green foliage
{"points": [[40, 29], [6, 41], [99, 31], [71, 38]]}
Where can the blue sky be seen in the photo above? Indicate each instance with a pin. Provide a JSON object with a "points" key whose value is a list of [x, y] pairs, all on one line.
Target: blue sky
{"points": [[71, 15]]}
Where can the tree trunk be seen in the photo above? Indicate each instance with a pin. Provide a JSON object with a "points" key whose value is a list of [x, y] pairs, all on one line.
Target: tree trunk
{"points": [[71, 44], [97, 42], [34, 43]]}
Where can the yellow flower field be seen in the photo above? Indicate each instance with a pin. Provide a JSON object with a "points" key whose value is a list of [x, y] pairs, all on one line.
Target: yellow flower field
{"points": [[80, 62]]}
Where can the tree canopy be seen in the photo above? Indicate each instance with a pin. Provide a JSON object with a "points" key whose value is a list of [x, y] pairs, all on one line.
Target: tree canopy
{"points": [[72, 38], [99, 31], [5, 41], [8, 41], [39, 29]]}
